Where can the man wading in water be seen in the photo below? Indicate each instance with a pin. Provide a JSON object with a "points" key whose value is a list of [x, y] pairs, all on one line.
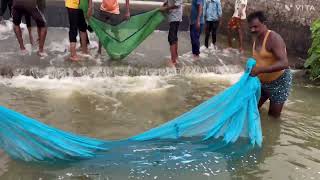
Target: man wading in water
{"points": [[272, 67]]}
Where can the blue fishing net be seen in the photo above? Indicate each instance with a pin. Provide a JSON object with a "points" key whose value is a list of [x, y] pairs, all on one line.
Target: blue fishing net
{"points": [[228, 116]]}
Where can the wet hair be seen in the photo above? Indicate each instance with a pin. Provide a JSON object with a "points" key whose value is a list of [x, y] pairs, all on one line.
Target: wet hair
{"points": [[257, 15]]}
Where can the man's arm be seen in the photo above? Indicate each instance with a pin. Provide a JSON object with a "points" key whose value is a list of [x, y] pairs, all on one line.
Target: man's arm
{"points": [[278, 48], [200, 5], [127, 15], [89, 14], [219, 9], [165, 6], [165, 3]]}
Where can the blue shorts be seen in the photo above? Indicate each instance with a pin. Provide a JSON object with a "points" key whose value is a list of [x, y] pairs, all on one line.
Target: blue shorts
{"points": [[279, 89]]}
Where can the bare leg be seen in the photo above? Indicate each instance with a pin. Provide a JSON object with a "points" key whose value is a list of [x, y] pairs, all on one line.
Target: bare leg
{"points": [[262, 100], [73, 52], [176, 50], [43, 35], [174, 55], [275, 109], [18, 32], [39, 33], [84, 42]]}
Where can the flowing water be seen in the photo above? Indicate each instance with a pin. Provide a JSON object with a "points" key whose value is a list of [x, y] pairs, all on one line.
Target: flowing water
{"points": [[114, 100]]}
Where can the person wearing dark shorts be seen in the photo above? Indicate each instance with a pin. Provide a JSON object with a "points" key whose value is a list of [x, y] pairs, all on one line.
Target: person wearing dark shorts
{"points": [[77, 23], [41, 5], [22, 8], [174, 10]]}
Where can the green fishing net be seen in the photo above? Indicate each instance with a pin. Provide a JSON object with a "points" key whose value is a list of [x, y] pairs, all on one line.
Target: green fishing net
{"points": [[121, 39]]}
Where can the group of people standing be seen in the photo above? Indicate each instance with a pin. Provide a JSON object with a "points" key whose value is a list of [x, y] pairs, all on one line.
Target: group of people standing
{"points": [[109, 12], [269, 48], [205, 15]]}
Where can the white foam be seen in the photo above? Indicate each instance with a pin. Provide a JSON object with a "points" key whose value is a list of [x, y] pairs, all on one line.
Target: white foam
{"points": [[6, 29], [228, 78], [58, 46], [99, 86]]}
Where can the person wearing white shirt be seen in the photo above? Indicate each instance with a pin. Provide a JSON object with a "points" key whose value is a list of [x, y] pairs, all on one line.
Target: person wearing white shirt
{"points": [[235, 23]]}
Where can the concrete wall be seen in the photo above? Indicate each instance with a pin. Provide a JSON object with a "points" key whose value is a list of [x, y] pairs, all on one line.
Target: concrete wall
{"points": [[290, 18]]}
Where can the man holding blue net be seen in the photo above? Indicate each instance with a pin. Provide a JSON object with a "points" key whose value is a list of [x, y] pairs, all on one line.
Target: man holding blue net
{"points": [[272, 66]]}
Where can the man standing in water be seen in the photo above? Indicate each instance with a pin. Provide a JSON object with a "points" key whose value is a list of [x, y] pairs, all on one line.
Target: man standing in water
{"points": [[174, 10], [77, 23], [29, 8], [213, 16], [272, 66], [236, 22], [196, 26]]}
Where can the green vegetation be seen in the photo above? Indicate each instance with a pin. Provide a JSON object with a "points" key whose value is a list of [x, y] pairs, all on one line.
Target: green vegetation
{"points": [[313, 62]]}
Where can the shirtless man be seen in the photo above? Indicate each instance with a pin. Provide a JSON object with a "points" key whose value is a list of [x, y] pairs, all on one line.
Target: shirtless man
{"points": [[272, 67]]}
